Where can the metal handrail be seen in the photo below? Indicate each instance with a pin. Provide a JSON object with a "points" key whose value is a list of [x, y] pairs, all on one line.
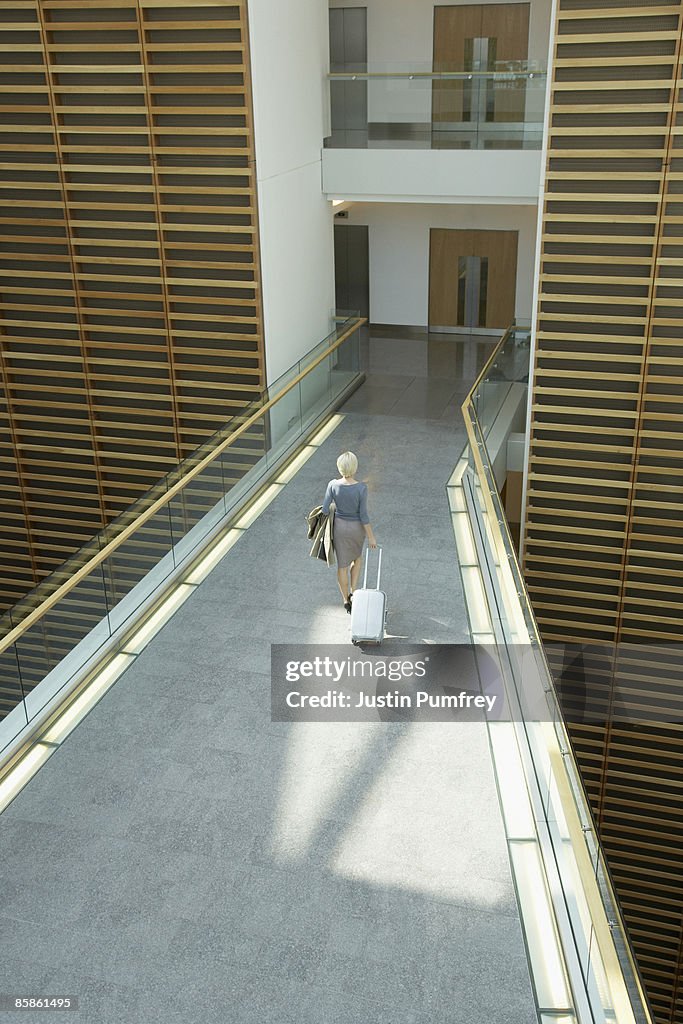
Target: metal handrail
{"points": [[570, 794], [40, 610], [456, 75], [504, 73]]}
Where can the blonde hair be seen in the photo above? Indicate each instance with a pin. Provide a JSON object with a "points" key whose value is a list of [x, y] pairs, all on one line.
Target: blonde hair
{"points": [[347, 464]]}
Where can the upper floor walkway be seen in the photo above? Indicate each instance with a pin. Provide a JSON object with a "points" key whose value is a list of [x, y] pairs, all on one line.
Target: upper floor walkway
{"points": [[451, 136], [444, 103]]}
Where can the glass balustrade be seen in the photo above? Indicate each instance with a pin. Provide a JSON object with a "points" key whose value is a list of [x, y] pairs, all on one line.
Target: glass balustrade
{"points": [[596, 979], [65, 622], [486, 105]]}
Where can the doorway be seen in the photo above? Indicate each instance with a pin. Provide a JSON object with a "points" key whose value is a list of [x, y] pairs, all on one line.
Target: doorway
{"points": [[479, 38], [472, 290], [472, 280], [348, 53], [352, 269]]}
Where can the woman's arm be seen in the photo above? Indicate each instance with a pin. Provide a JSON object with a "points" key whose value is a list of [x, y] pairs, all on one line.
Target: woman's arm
{"points": [[365, 518], [327, 499]]}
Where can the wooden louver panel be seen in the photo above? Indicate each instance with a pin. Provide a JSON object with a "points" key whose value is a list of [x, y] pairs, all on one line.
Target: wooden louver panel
{"points": [[130, 323], [604, 531]]}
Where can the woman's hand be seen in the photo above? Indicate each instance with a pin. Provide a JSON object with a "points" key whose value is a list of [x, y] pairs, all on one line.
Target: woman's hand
{"points": [[371, 540]]}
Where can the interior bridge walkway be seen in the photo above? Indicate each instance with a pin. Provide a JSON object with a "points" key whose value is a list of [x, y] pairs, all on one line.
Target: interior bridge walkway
{"points": [[183, 859]]}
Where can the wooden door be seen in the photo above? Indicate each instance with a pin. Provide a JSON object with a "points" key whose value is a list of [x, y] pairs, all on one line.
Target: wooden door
{"points": [[506, 26], [447, 248], [506, 29], [453, 27]]}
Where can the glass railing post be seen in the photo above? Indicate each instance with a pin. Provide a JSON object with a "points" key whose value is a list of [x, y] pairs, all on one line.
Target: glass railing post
{"points": [[13, 713]]}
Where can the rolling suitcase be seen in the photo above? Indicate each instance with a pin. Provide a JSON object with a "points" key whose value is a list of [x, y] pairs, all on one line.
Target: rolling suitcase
{"points": [[369, 609]]}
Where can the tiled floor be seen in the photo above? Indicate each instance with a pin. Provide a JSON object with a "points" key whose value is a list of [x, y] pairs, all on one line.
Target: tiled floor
{"points": [[184, 859], [421, 378]]}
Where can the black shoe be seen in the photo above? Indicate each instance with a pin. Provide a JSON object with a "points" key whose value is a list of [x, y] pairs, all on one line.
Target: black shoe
{"points": [[347, 605]]}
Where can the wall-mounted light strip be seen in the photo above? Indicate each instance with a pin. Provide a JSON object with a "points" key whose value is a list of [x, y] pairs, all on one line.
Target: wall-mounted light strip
{"points": [[257, 507], [15, 780], [292, 468], [78, 709], [547, 962], [139, 640], [327, 428], [202, 569]]}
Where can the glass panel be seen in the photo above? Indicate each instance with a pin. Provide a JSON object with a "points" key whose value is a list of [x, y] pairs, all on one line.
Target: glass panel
{"points": [[12, 708], [63, 640], [599, 987], [622, 943], [478, 103], [200, 505], [345, 364], [244, 460], [284, 424], [51, 583], [550, 980], [343, 318], [509, 370], [574, 893], [316, 392], [462, 289], [483, 289], [468, 104], [487, 82], [143, 561]]}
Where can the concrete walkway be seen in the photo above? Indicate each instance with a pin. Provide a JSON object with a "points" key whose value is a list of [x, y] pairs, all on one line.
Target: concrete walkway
{"points": [[183, 859]]}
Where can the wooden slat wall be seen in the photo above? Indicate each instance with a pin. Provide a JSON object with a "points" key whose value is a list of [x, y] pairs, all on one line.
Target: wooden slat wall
{"points": [[130, 319], [604, 529]]}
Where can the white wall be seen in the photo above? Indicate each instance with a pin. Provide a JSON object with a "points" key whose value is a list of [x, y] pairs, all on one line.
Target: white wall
{"points": [[399, 252], [433, 175], [289, 60], [401, 37]]}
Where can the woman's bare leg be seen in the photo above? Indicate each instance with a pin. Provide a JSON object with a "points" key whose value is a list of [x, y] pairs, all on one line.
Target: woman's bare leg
{"points": [[343, 581], [356, 567]]}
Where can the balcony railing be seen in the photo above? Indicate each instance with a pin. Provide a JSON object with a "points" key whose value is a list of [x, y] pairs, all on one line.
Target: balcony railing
{"points": [[496, 107], [89, 607], [581, 958]]}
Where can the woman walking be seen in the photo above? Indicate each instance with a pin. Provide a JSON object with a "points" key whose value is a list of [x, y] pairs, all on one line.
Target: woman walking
{"points": [[351, 524]]}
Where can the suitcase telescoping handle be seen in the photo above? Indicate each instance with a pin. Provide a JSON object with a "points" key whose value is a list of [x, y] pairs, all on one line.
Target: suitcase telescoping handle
{"points": [[379, 567]]}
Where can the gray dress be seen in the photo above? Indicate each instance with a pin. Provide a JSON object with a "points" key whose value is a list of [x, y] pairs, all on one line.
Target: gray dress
{"points": [[351, 513]]}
